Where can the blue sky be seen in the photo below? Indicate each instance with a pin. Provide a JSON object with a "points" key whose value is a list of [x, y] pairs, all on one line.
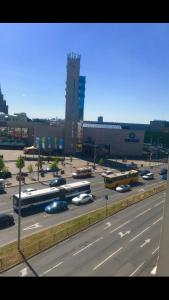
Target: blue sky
{"points": [[126, 68]]}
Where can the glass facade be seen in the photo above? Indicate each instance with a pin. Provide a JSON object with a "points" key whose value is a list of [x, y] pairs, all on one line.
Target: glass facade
{"points": [[81, 96]]}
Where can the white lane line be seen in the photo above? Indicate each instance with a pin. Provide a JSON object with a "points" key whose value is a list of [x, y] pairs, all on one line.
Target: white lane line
{"points": [[107, 258], [120, 226], [155, 250], [36, 225], [157, 220], [154, 270], [140, 233], [23, 272], [158, 203], [136, 270], [51, 268], [142, 213], [89, 245]]}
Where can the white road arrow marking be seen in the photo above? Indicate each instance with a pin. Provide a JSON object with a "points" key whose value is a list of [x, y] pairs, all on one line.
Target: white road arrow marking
{"points": [[24, 272], [108, 225], [36, 225], [154, 270], [141, 190], [123, 234], [145, 242]]}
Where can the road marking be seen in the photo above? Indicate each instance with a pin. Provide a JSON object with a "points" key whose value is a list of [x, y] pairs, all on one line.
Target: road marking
{"points": [[123, 234], [142, 213], [36, 225], [120, 226], [107, 258], [141, 190], [157, 220], [158, 203], [108, 225], [51, 268], [155, 250], [145, 242], [154, 270], [24, 272], [140, 233], [87, 246], [136, 270]]}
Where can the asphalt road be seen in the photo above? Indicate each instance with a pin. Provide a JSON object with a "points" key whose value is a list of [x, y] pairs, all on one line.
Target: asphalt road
{"points": [[40, 221], [125, 244]]}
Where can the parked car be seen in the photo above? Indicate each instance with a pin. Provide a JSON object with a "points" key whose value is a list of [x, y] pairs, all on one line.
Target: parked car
{"points": [[105, 173], [163, 177], [144, 172], [163, 171], [57, 182], [82, 199], [148, 176], [48, 169], [28, 190], [56, 206], [5, 175], [6, 220], [123, 188]]}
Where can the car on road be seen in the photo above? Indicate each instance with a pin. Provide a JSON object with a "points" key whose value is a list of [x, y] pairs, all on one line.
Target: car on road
{"points": [[57, 182], [123, 188], [82, 199], [56, 206], [5, 175], [143, 172], [163, 171], [107, 172], [6, 220], [50, 169], [148, 176], [28, 190]]}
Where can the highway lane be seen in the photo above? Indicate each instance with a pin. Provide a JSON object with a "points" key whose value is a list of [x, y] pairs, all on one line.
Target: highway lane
{"points": [[40, 221], [125, 244], [37, 222]]}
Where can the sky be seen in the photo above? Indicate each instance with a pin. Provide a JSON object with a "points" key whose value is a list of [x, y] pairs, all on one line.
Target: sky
{"points": [[126, 67]]}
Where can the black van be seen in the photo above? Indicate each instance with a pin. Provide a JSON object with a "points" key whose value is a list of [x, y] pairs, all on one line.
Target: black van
{"points": [[6, 220]]}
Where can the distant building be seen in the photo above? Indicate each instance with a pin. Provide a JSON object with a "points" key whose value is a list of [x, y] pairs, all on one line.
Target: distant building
{"points": [[75, 94], [3, 106], [100, 119]]}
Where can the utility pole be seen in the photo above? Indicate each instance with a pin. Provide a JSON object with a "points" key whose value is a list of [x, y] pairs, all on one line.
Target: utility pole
{"points": [[38, 161], [94, 156], [106, 198], [19, 212], [163, 259]]}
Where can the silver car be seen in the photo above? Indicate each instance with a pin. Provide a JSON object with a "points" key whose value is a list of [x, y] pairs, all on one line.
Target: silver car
{"points": [[123, 188], [82, 199]]}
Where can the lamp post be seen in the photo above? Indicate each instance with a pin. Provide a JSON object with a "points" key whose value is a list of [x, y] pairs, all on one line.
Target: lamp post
{"points": [[19, 212], [38, 161], [94, 160], [106, 198]]}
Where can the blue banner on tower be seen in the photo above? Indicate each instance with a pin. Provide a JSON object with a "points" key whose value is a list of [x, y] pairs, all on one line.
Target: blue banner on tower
{"points": [[49, 142], [37, 142]]}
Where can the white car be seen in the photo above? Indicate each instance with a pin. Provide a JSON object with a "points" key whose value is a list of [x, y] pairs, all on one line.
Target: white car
{"points": [[123, 188], [82, 199], [148, 176], [28, 190]]}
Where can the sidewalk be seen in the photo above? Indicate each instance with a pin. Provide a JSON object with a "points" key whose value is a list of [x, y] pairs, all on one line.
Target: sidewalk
{"points": [[32, 178]]}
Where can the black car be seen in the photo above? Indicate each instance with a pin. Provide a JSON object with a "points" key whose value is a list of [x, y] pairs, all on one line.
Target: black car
{"points": [[57, 182], [4, 175], [163, 171], [6, 220], [144, 172]]}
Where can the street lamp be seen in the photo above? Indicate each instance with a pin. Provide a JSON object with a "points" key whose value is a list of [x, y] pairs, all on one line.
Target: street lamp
{"points": [[19, 212], [106, 198], [94, 160], [38, 161]]}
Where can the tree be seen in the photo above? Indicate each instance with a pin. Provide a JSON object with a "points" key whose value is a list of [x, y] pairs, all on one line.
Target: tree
{"points": [[40, 163], [54, 164], [5, 169], [101, 161], [20, 162], [2, 164], [30, 169]]}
